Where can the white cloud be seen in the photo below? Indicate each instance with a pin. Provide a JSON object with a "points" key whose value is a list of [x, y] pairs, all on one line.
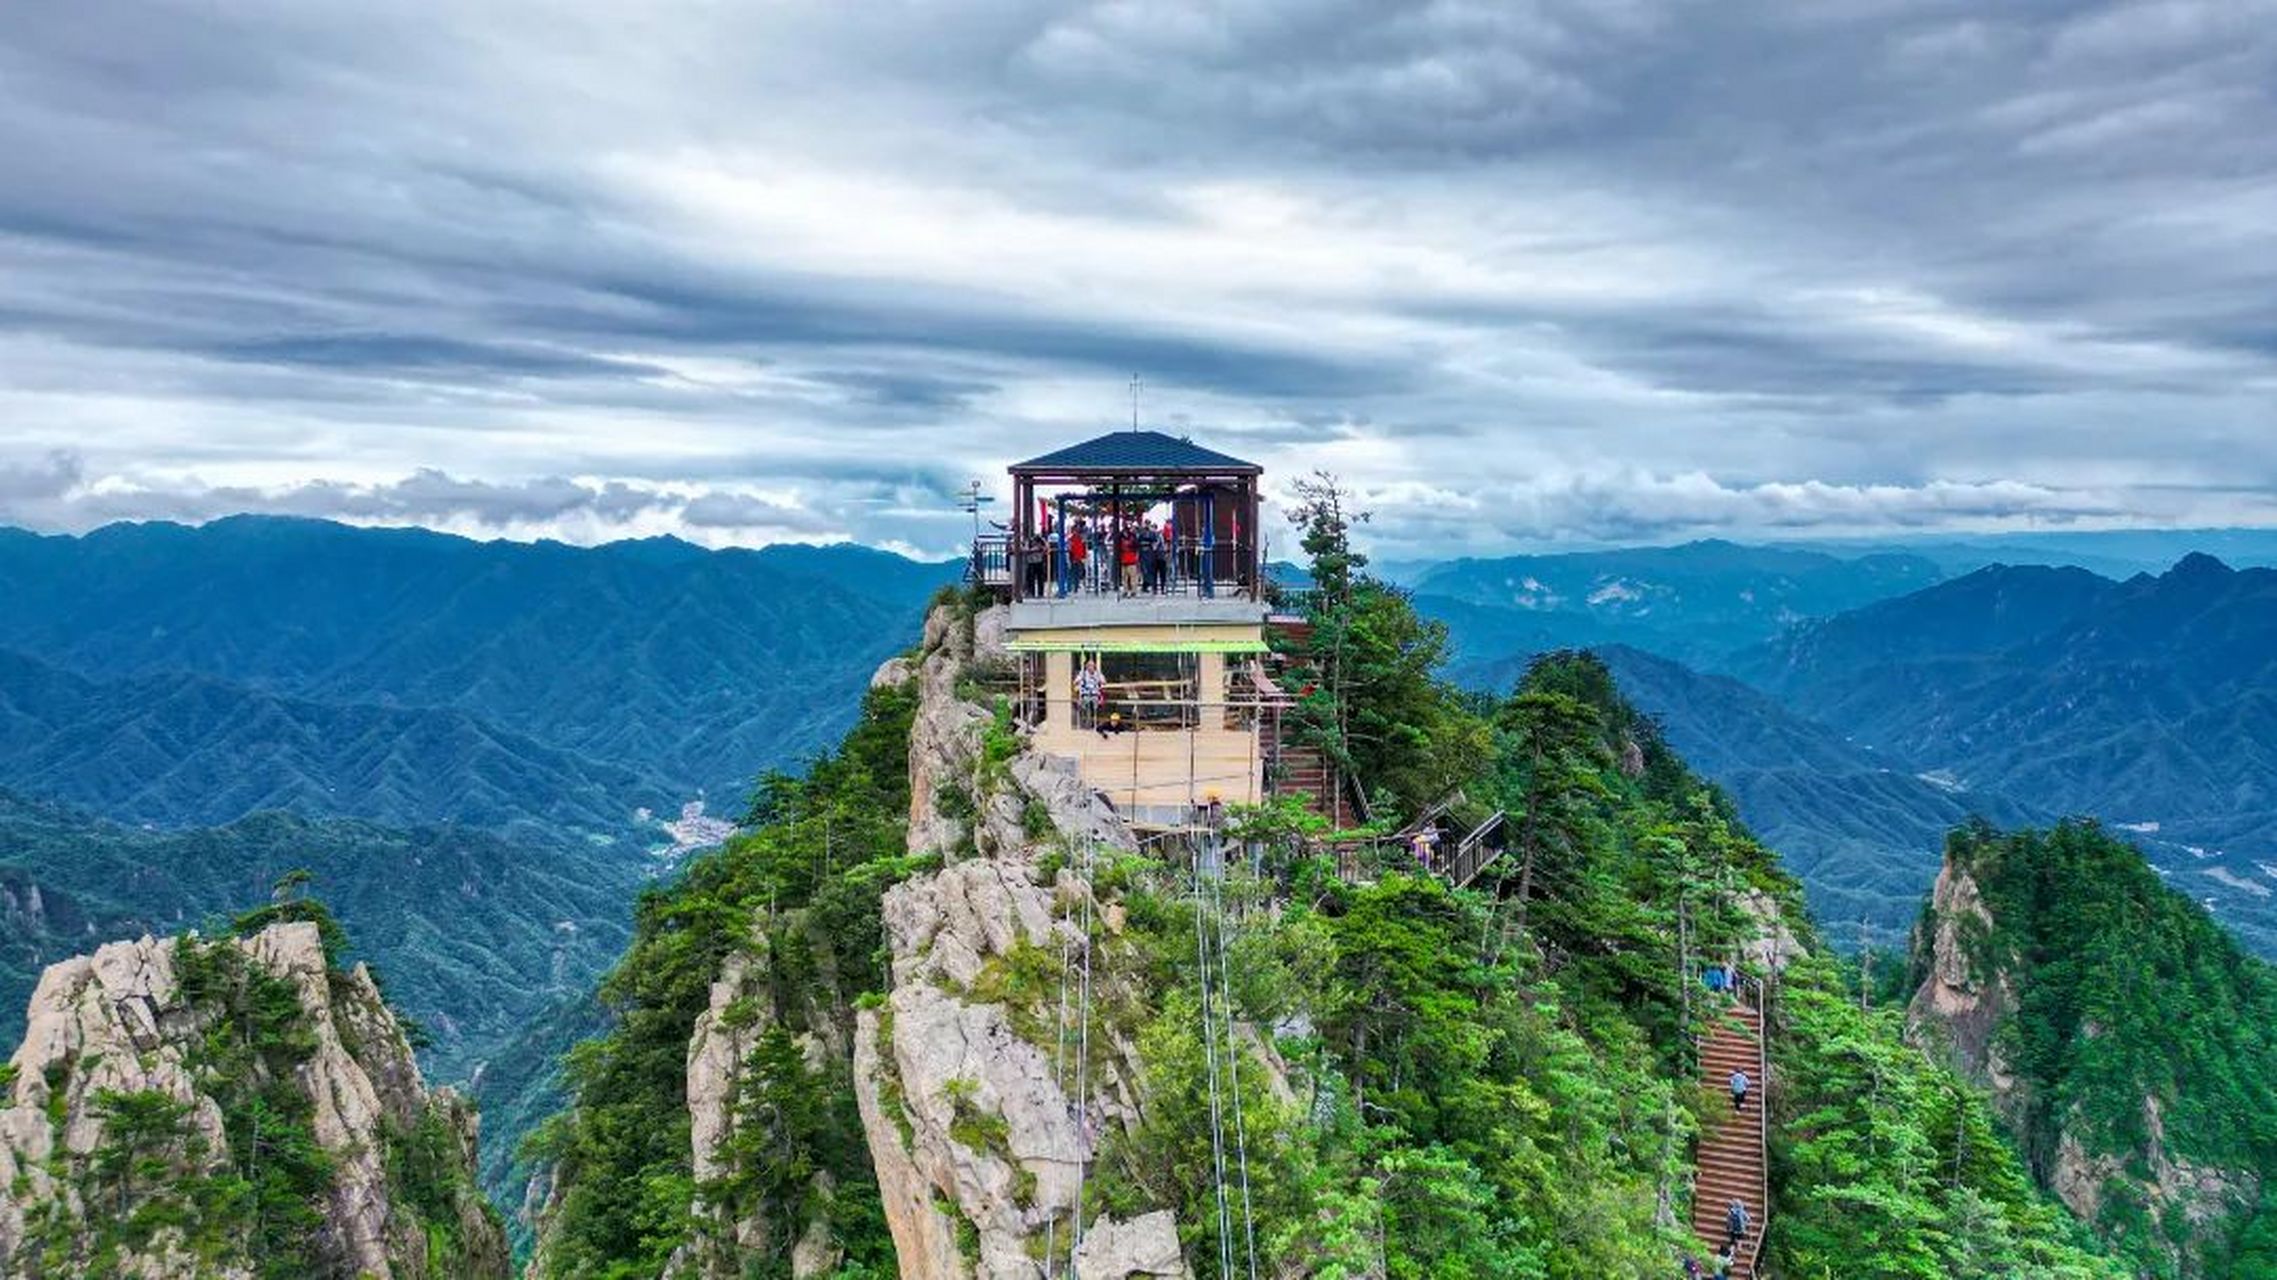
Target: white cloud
{"points": [[1575, 270]]}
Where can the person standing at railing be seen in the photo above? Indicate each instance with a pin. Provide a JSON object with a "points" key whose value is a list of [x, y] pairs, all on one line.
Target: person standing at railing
{"points": [[1032, 566], [1078, 550], [1150, 558], [1169, 551], [1127, 560]]}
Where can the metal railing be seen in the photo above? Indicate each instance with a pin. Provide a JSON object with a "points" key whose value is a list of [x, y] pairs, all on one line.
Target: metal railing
{"points": [[990, 564], [1186, 567]]}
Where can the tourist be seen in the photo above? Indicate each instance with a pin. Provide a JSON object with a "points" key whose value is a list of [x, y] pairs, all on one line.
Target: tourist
{"points": [[1739, 1087], [1126, 558], [1735, 1223], [1078, 549], [1032, 566], [1150, 558], [1090, 693]]}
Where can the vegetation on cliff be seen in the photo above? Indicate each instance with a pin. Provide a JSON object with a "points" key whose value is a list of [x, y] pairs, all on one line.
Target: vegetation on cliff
{"points": [[803, 887], [2142, 1042], [1422, 1081], [271, 1123]]}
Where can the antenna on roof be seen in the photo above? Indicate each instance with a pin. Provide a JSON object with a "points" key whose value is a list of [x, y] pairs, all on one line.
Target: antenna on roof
{"points": [[1134, 401]]}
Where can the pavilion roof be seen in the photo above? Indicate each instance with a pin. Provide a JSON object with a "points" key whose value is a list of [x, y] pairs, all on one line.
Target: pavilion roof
{"points": [[1136, 453]]}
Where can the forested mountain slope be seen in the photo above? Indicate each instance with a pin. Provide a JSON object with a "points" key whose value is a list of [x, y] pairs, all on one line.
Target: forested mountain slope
{"points": [[693, 667], [177, 749], [2129, 1041], [857, 1064], [476, 934]]}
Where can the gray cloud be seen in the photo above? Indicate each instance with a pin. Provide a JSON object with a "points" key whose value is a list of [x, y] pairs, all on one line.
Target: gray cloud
{"points": [[1562, 269]]}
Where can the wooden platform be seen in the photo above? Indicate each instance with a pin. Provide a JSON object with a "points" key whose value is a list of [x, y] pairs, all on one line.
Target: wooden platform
{"points": [[1154, 776]]}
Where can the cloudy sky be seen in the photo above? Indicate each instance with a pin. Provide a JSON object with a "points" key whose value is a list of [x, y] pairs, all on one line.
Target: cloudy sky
{"points": [[1526, 272]]}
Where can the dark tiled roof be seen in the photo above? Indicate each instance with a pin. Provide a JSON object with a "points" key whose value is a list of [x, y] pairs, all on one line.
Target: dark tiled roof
{"points": [[1145, 451]]}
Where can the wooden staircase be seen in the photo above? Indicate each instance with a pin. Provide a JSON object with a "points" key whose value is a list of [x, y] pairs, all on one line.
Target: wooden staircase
{"points": [[1298, 767], [1732, 1154]]}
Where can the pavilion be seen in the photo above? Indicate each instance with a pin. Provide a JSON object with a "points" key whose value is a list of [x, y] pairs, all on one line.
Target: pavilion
{"points": [[1192, 717]]}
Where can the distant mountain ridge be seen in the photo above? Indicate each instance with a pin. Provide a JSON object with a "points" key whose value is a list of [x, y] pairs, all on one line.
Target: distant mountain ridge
{"points": [[178, 749], [1860, 828], [692, 667], [1696, 602], [2151, 703]]}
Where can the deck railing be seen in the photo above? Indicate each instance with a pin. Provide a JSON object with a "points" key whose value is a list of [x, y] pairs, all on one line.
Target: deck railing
{"points": [[991, 562], [1226, 568]]}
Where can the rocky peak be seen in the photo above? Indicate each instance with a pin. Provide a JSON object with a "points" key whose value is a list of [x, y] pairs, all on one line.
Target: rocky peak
{"points": [[1962, 1001], [184, 1107], [979, 1138]]}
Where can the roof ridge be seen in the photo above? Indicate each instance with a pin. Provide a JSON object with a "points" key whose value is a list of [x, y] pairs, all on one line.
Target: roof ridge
{"points": [[1138, 449]]}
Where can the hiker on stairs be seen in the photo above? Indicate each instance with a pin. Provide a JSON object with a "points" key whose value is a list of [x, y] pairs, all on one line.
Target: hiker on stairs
{"points": [[1739, 1087], [1735, 1222]]}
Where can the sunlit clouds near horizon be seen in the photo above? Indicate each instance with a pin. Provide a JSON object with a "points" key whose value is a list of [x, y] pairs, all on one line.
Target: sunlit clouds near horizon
{"points": [[1525, 274]]}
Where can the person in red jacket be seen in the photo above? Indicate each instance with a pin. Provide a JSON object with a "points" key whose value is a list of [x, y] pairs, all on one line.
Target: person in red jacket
{"points": [[1077, 552], [1126, 556]]}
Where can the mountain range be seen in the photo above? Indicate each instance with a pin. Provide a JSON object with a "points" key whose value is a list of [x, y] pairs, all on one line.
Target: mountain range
{"points": [[1694, 602], [468, 743], [183, 749], [461, 741], [691, 668], [2150, 703], [2018, 693]]}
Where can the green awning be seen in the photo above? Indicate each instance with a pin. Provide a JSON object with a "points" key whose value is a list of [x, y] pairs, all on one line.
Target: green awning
{"points": [[1137, 646]]}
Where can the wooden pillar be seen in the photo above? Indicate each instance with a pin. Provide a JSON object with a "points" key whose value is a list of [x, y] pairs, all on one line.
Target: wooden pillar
{"points": [[1209, 689], [1019, 555], [1059, 691]]}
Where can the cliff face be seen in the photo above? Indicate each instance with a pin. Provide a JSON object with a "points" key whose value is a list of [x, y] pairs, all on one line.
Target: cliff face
{"points": [[1963, 1001], [226, 1108], [935, 1125], [976, 1123], [2028, 989]]}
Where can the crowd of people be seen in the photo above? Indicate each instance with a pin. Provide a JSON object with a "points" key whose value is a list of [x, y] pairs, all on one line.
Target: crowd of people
{"points": [[1135, 555]]}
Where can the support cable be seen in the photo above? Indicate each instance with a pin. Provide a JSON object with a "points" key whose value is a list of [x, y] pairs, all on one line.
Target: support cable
{"points": [[1083, 1061], [1059, 1078], [1210, 1057], [1233, 1063]]}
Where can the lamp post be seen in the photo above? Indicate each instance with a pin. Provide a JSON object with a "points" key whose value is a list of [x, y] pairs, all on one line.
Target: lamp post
{"points": [[971, 501]]}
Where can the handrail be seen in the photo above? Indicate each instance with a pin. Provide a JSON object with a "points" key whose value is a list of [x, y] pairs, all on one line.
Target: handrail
{"points": [[1762, 1119], [1466, 862]]}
